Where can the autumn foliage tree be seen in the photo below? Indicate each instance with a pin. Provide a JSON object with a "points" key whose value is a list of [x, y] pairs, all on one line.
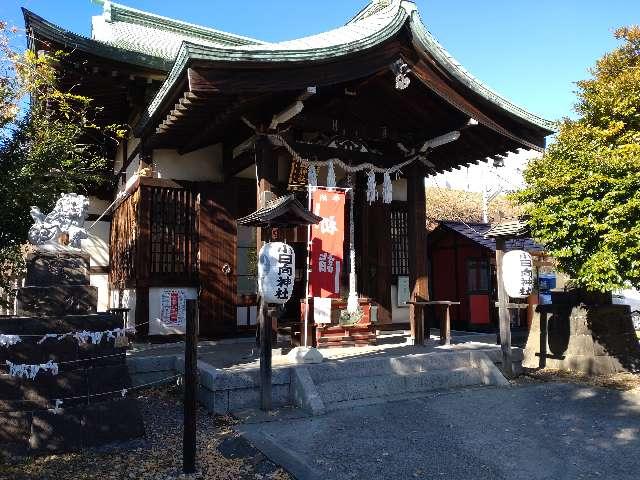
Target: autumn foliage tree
{"points": [[582, 198], [49, 143]]}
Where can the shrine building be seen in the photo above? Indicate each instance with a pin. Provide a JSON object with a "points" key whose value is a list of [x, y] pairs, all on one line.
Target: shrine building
{"points": [[221, 124]]}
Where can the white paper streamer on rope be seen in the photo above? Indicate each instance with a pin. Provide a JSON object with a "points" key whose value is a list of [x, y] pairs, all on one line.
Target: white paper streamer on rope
{"points": [[31, 371], [387, 188], [85, 336], [372, 193], [331, 175], [312, 176], [9, 340], [56, 409], [124, 392]]}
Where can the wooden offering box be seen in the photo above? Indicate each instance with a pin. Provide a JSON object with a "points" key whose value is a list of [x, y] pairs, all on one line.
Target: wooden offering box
{"points": [[335, 334]]}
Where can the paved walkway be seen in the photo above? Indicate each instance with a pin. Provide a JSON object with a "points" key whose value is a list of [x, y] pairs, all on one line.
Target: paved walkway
{"points": [[535, 431]]}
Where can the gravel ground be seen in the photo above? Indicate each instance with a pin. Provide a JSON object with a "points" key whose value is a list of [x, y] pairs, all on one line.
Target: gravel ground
{"points": [[617, 381], [222, 454]]}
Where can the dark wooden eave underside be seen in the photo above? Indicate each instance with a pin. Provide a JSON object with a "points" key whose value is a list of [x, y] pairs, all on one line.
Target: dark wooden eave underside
{"points": [[209, 104]]}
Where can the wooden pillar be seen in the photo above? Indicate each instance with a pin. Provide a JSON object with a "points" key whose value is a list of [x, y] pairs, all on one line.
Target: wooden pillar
{"points": [[267, 171], [417, 232], [190, 389], [503, 312]]}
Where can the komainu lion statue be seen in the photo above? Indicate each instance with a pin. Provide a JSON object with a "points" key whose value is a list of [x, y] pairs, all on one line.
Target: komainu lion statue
{"points": [[67, 217]]}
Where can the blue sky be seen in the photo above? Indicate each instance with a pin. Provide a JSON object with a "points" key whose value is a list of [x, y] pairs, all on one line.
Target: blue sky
{"points": [[531, 51]]}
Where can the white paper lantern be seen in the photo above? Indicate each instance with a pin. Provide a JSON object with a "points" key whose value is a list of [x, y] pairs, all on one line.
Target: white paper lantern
{"points": [[517, 273], [276, 272]]}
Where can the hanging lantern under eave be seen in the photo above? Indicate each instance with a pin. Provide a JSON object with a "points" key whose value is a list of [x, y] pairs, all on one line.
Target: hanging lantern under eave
{"points": [[517, 273]]}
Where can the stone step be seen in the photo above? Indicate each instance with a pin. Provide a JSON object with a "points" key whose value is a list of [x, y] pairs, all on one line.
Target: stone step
{"points": [[406, 364], [357, 388]]}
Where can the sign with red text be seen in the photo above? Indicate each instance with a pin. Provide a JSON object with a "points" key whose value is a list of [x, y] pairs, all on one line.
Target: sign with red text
{"points": [[173, 307], [327, 242]]}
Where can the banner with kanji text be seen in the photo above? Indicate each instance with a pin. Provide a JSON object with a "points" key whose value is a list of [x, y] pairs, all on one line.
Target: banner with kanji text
{"points": [[327, 242]]}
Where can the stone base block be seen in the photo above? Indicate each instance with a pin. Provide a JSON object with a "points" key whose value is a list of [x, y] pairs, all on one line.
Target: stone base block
{"points": [[51, 268], [597, 340], [57, 300]]}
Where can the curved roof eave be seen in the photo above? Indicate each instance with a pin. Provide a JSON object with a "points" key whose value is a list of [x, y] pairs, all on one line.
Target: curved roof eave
{"points": [[60, 35], [382, 24], [313, 48], [444, 58]]}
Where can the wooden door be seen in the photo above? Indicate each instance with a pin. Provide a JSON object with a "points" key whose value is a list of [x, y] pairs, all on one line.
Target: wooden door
{"points": [[218, 240]]}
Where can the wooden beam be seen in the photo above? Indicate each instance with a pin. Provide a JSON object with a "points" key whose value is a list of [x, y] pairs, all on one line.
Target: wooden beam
{"points": [[417, 232], [503, 312]]}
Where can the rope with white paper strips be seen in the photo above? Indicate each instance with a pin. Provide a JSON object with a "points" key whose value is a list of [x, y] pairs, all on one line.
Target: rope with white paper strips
{"points": [[23, 370]]}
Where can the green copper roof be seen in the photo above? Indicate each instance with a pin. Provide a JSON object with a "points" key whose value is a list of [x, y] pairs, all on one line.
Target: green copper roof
{"points": [[377, 22], [142, 38], [44, 29], [151, 34]]}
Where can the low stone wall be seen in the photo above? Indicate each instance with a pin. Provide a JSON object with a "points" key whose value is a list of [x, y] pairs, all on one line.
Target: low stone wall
{"points": [[596, 340]]}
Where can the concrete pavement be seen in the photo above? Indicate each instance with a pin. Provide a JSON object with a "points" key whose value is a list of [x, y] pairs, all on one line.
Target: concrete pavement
{"points": [[534, 431]]}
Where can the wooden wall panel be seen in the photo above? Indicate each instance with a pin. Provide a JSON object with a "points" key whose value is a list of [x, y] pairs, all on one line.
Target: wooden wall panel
{"points": [[218, 240]]}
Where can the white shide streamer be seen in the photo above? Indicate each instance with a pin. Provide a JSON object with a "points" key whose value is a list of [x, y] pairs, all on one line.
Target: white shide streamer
{"points": [[9, 340], [331, 175], [372, 193], [31, 371], [387, 188], [312, 176]]}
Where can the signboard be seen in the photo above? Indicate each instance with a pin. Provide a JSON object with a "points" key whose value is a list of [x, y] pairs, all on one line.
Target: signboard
{"points": [[404, 292], [517, 273], [173, 308], [276, 270], [327, 241], [321, 310]]}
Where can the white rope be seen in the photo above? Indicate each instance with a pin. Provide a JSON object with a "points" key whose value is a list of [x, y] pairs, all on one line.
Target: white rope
{"points": [[281, 142]]}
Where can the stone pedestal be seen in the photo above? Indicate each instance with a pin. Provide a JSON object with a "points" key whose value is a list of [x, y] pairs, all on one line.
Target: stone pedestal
{"points": [[58, 299], [593, 339], [57, 284]]}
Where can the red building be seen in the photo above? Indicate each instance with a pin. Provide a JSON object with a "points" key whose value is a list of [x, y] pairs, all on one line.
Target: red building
{"points": [[462, 266]]}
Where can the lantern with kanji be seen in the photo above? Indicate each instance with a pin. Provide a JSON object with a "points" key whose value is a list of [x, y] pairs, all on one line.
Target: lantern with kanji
{"points": [[517, 273], [276, 270]]}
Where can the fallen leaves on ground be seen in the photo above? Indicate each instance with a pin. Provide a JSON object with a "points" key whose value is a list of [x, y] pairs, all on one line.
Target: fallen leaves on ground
{"points": [[157, 456], [617, 381]]}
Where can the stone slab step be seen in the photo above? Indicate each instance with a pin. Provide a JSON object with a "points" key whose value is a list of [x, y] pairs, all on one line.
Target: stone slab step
{"points": [[357, 388], [406, 364]]}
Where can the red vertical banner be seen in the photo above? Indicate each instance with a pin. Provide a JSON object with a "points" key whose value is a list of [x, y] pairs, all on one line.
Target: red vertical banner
{"points": [[326, 250]]}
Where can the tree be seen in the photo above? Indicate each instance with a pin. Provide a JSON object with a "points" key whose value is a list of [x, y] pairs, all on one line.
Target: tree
{"points": [[582, 198], [49, 144]]}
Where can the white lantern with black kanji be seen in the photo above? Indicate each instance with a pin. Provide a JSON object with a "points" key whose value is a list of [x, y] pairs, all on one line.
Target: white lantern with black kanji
{"points": [[517, 273], [276, 272]]}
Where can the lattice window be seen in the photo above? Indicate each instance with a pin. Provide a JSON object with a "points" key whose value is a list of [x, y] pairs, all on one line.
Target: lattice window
{"points": [[399, 241], [173, 231]]}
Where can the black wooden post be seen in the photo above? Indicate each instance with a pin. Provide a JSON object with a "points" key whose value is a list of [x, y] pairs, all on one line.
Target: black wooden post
{"points": [[265, 350], [503, 312], [190, 388]]}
